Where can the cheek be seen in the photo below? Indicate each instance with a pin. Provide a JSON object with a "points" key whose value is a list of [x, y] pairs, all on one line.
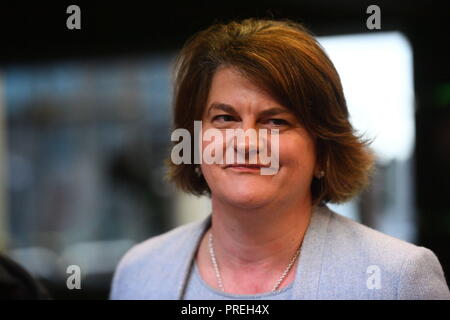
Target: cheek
{"points": [[213, 140], [297, 153], [210, 171]]}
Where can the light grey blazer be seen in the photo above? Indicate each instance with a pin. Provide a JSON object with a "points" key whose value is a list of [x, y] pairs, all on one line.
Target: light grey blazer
{"points": [[340, 259]]}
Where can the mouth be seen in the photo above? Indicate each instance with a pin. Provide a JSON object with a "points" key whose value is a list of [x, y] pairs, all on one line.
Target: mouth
{"points": [[245, 167]]}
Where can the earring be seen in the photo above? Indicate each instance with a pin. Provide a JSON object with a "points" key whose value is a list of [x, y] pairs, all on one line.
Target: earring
{"points": [[198, 171], [321, 174]]}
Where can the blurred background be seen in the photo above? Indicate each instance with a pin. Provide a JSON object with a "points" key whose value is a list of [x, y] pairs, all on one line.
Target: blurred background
{"points": [[85, 124]]}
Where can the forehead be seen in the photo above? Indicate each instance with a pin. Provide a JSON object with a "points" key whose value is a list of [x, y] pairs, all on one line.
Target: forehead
{"points": [[230, 86]]}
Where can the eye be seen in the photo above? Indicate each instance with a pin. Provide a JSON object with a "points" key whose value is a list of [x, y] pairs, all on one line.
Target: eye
{"points": [[223, 118], [278, 122]]}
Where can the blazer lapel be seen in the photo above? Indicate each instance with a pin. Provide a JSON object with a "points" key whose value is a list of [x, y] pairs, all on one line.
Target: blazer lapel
{"points": [[309, 266], [188, 251]]}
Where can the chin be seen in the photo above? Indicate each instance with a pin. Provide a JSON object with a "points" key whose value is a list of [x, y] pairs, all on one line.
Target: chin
{"points": [[248, 198]]}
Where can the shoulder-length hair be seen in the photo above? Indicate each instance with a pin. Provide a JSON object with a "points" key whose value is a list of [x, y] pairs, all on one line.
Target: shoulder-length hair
{"points": [[285, 59]]}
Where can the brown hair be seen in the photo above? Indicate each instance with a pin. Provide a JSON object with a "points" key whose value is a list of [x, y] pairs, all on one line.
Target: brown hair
{"points": [[283, 58]]}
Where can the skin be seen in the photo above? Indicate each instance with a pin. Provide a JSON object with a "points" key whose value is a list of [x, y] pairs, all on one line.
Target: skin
{"points": [[258, 221]]}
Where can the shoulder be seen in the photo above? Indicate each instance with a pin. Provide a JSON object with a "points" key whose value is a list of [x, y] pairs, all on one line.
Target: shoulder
{"points": [[349, 234], [164, 244], [422, 277], [153, 260], [405, 270]]}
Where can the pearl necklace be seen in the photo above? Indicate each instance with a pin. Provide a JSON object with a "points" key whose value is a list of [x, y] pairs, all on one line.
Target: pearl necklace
{"points": [[212, 254]]}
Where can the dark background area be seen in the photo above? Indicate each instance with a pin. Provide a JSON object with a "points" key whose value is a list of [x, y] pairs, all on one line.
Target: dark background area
{"points": [[33, 33]]}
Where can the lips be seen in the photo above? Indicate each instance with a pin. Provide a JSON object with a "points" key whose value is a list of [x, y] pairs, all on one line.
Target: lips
{"points": [[245, 167], [250, 166]]}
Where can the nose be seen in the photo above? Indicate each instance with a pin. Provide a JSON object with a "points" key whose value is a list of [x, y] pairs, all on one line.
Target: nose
{"points": [[246, 143]]}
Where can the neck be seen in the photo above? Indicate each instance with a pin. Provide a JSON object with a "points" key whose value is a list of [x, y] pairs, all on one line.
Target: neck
{"points": [[258, 238]]}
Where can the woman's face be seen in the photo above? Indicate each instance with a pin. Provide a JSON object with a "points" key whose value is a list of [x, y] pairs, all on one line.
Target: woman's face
{"points": [[235, 102]]}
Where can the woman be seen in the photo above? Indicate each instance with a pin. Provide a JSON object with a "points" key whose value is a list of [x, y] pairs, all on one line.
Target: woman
{"points": [[272, 236]]}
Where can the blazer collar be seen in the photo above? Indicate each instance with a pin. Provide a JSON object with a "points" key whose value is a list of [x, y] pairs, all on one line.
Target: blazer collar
{"points": [[306, 284]]}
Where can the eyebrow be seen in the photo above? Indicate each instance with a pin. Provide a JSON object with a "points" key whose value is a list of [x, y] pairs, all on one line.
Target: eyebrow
{"points": [[230, 109], [221, 106]]}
